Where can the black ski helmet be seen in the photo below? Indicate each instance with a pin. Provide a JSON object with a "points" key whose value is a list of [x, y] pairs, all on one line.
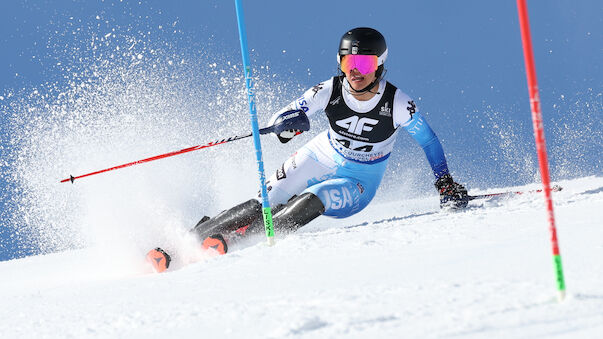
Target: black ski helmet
{"points": [[364, 41]]}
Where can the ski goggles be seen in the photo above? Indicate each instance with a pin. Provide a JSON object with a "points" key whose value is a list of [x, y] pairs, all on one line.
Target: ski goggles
{"points": [[365, 64]]}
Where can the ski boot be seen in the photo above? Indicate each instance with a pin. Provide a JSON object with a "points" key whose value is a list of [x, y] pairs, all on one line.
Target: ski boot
{"points": [[218, 232]]}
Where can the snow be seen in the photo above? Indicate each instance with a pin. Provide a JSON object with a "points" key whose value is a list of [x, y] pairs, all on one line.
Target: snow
{"points": [[486, 272]]}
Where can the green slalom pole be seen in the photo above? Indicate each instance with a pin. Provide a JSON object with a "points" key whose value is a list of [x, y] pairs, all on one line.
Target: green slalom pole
{"points": [[266, 212]]}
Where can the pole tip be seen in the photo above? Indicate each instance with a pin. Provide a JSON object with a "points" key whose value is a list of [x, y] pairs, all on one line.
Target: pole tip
{"points": [[71, 178], [561, 295], [270, 241]]}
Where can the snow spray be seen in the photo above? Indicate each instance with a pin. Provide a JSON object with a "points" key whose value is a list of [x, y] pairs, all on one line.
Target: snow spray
{"points": [[123, 96]]}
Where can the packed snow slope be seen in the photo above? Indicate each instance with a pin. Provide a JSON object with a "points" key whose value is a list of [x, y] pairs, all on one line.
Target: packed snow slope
{"points": [[398, 270]]}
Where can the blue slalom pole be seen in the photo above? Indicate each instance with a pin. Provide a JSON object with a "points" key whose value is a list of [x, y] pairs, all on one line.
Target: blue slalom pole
{"points": [[255, 129]]}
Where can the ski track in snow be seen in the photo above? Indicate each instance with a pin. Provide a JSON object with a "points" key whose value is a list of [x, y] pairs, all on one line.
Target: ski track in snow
{"points": [[486, 272]]}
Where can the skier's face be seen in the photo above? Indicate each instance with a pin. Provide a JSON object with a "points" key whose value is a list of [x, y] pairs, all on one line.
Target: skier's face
{"points": [[358, 80]]}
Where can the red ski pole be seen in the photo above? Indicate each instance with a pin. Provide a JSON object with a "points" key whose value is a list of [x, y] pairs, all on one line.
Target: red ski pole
{"points": [[555, 188], [540, 140], [170, 154]]}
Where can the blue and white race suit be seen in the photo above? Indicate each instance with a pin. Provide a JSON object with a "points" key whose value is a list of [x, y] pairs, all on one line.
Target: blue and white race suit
{"points": [[344, 165]]}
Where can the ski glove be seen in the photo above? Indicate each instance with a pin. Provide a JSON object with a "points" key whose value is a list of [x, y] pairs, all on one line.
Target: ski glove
{"points": [[288, 124], [452, 194]]}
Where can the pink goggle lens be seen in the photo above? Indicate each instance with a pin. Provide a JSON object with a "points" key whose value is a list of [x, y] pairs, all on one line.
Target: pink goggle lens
{"points": [[365, 64]]}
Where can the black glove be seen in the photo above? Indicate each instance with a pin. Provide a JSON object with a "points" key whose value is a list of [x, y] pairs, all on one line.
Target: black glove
{"points": [[286, 136], [290, 123], [452, 194]]}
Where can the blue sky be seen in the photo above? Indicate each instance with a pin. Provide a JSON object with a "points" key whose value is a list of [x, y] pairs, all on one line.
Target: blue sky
{"points": [[461, 61]]}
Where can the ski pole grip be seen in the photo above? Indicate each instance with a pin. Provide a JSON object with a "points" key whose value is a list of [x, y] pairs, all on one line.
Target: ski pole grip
{"points": [[291, 120], [266, 130]]}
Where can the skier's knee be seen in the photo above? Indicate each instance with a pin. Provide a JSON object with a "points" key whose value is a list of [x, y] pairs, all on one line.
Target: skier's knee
{"points": [[299, 211], [342, 197]]}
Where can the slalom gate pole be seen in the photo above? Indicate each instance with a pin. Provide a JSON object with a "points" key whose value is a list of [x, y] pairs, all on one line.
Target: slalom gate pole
{"points": [[540, 140], [170, 154], [266, 212]]}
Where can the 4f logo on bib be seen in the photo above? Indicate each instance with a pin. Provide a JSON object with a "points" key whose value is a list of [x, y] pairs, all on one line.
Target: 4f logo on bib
{"points": [[357, 125]]}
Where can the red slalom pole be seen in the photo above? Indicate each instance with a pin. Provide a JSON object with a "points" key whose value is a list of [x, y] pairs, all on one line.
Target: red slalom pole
{"points": [[170, 154], [537, 123]]}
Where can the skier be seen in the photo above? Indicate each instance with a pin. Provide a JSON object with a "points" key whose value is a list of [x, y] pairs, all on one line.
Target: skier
{"points": [[338, 172]]}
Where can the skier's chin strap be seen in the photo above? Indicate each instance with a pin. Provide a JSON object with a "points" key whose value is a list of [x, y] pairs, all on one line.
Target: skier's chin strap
{"points": [[368, 88]]}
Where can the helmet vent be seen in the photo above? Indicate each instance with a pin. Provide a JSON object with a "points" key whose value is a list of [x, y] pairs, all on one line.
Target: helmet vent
{"points": [[355, 44]]}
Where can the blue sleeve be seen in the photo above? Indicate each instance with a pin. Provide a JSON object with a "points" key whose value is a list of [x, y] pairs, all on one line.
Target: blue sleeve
{"points": [[424, 136]]}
